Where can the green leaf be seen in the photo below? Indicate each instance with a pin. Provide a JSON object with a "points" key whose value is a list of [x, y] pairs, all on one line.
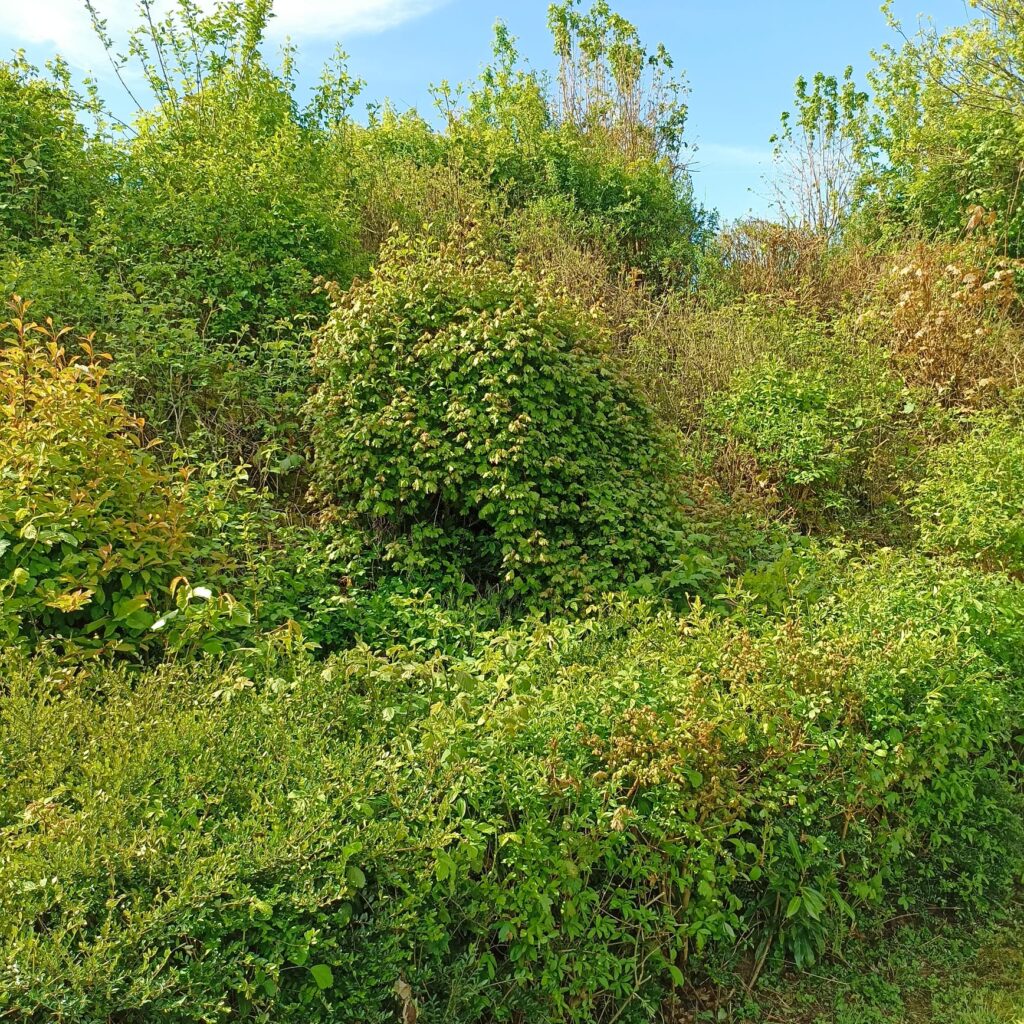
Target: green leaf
{"points": [[322, 975], [240, 616]]}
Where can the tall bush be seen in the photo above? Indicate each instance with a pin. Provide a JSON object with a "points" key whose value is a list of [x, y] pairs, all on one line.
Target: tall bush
{"points": [[471, 419], [230, 200]]}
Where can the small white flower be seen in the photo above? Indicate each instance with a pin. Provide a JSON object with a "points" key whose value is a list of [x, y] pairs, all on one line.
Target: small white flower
{"points": [[204, 592]]}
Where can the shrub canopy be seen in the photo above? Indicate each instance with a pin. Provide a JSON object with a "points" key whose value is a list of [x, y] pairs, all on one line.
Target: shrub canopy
{"points": [[472, 418]]}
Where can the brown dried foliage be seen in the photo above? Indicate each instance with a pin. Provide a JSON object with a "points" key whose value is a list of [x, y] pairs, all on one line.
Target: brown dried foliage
{"points": [[953, 317]]}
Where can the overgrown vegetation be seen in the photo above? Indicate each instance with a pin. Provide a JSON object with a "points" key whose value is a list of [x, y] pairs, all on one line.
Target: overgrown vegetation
{"points": [[445, 577]]}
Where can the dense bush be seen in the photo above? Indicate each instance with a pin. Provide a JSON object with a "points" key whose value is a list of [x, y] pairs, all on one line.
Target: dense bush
{"points": [[48, 176], [406, 176], [473, 422], [89, 527], [223, 290], [166, 369], [230, 207], [826, 430], [268, 556], [558, 827], [218, 210], [972, 500], [63, 281], [607, 146]]}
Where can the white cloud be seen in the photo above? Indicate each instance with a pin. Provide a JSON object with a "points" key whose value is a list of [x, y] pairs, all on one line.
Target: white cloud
{"points": [[60, 25], [64, 26]]}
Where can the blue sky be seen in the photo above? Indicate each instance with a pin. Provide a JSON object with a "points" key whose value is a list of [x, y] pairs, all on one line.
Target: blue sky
{"points": [[741, 56]]}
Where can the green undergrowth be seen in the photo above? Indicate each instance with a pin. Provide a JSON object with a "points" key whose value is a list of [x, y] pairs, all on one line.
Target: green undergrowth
{"points": [[565, 823], [444, 578], [912, 969]]}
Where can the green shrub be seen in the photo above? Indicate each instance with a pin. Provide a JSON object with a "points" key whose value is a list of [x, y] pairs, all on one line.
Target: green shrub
{"points": [[62, 279], [829, 432], [228, 212], [895, 587], [405, 176], [946, 130], [228, 203], [472, 420], [169, 373], [972, 499], [609, 163], [608, 158], [268, 567], [48, 175], [89, 526], [558, 826]]}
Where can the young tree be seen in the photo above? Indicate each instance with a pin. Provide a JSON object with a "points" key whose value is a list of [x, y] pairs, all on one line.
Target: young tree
{"points": [[817, 154], [610, 83], [604, 151], [948, 130]]}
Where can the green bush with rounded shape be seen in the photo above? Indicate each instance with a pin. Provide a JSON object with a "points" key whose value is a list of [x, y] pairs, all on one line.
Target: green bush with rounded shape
{"points": [[471, 419], [89, 525], [972, 499]]}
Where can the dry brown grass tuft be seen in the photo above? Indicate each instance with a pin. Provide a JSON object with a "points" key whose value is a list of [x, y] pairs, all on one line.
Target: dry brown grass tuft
{"points": [[682, 353], [396, 193], [678, 350]]}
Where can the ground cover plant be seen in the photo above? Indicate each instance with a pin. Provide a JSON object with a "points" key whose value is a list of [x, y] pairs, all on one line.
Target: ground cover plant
{"points": [[444, 576]]}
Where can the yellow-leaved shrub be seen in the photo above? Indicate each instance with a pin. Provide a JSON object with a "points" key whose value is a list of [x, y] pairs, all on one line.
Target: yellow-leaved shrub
{"points": [[89, 523]]}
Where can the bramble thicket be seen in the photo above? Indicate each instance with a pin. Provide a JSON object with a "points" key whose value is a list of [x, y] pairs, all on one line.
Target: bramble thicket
{"points": [[445, 575]]}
